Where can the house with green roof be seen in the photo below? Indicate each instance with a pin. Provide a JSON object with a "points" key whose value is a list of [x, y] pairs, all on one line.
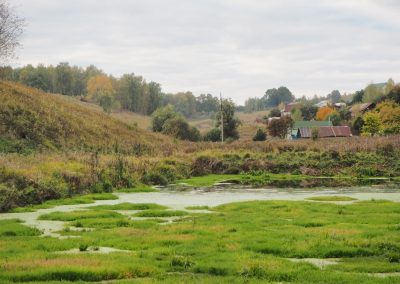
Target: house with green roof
{"points": [[307, 124]]}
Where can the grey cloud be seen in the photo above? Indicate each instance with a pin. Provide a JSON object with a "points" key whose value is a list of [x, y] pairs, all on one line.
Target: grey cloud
{"points": [[238, 47]]}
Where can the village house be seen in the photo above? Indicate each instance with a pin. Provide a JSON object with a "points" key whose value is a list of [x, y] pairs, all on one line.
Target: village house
{"points": [[307, 124], [324, 132], [359, 109], [287, 111], [323, 103]]}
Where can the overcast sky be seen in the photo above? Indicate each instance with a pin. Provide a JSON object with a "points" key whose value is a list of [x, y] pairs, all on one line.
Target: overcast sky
{"points": [[238, 47]]}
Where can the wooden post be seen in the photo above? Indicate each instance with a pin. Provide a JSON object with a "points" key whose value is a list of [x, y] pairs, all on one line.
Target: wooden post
{"points": [[222, 119]]}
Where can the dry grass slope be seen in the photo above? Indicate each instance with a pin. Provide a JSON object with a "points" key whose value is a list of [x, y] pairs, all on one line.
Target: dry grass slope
{"points": [[48, 121]]}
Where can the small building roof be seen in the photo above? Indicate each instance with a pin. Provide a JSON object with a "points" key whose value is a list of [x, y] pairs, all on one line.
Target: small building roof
{"points": [[304, 132], [334, 131], [361, 107], [312, 123], [323, 103], [325, 131]]}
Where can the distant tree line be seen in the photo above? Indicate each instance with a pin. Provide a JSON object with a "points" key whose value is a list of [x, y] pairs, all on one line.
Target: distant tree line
{"points": [[272, 98], [129, 92]]}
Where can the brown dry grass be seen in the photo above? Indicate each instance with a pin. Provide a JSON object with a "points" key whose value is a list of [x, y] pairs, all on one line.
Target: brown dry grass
{"points": [[67, 122], [353, 144]]}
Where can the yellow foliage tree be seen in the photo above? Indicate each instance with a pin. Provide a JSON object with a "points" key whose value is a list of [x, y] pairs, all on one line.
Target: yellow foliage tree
{"points": [[324, 112], [389, 113], [98, 87]]}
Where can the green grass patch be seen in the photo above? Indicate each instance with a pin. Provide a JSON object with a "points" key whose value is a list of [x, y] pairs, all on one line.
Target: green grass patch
{"points": [[14, 227], [205, 207], [245, 242], [77, 215], [331, 198], [128, 206], [161, 213], [138, 188]]}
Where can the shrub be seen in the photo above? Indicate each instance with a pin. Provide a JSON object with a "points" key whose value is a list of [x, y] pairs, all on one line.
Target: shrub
{"points": [[9, 198], [206, 165], [181, 261], [180, 128], [83, 247], [393, 257], [314, 133], [214, 135], [161, 115], [279, 127], [154, 179], [260, 135], [275, 112], [168, 172]]}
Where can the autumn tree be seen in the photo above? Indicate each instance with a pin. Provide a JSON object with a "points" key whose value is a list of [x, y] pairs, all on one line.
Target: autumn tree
{"points": [[101, 91], [11, 28], [389, 114], [372, 124], [324, 113]]}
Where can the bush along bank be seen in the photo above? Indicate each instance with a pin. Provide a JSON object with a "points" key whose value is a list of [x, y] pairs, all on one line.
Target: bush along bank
{"points": [[33, 179]]}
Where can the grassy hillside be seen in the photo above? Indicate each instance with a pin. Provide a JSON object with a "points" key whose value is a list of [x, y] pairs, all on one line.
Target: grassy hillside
{"points": [[33, 119], [126, 116], [246, 131]]}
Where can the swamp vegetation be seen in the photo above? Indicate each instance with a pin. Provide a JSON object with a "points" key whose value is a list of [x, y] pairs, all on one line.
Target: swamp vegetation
{"points": [[255, 241]]}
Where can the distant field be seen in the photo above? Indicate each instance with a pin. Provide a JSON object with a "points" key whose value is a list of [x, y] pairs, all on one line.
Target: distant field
{"points": [[246, 130]]}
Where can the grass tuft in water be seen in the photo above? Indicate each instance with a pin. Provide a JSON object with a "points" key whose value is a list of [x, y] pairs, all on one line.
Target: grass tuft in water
{"points": [[331, 198]]}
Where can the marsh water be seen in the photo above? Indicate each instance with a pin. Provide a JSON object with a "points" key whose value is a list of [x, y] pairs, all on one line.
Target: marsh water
{"points": [[179, 200]]}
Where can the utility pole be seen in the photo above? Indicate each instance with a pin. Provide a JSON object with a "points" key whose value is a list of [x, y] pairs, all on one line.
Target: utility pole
{"points": [[222, 119]]}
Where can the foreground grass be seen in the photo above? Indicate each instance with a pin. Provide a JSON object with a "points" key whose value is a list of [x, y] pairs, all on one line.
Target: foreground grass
{"points": [[240, 242], [12, 228]]}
